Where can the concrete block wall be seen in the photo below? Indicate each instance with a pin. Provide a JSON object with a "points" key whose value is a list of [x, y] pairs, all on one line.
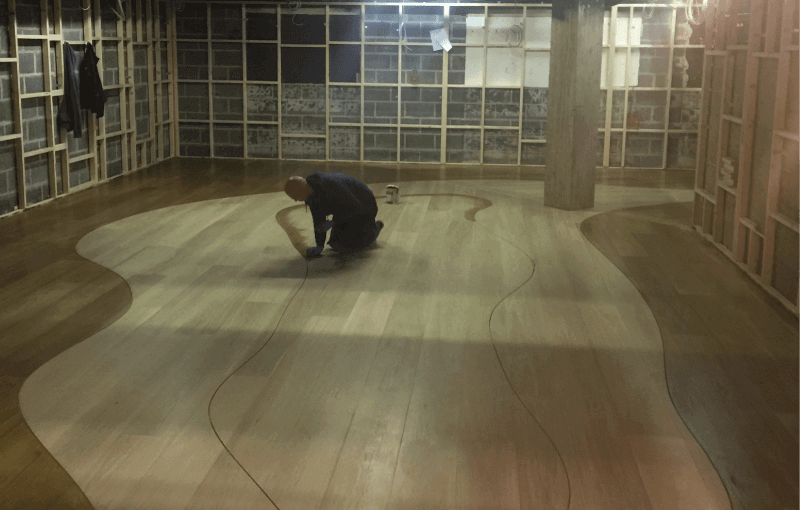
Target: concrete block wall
{"points": [[647, 108], [345, 143], [110, 61], [656, 28], [192, 61], [142, 90], [6, 105], [380, 64], [112, 113], [114, 156], [79, 146], [421, 105], [262, 141], [193, 101], [195, 139], [228, 140], [29, 17], [303, 148], [37, 183], [421, 65], [262, 103], [8, 177], [380, 105], [457, 65], [303, 110], [165, 135], [420, 144], [653, 67], [72, 20], [226, 62], [684, 110], [380, 143], [31, 79], [534, 115], [464, 106], [34, 127], [108, 22], [500, 146], [344, 104], [501, 107], [79, 173], [5, 42], [682, 150], [463, 146], [644, 149], [191, 22], [228, 101]]}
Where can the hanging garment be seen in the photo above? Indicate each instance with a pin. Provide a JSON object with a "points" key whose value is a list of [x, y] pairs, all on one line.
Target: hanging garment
{"points": [[69, 112], [93, 97]]}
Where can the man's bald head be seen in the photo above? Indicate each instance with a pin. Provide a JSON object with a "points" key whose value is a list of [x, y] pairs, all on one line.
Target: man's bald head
{"points": [[297, 188]]}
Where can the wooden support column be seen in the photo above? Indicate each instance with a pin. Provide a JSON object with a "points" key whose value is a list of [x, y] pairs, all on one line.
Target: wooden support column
{"points": [[576, 50]]}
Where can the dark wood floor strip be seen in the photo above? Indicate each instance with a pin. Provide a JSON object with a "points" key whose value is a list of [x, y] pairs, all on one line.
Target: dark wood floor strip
{"points": [[730, 351]]}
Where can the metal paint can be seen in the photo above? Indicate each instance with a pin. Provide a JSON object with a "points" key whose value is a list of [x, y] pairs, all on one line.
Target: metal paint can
{"points": [[392, 194]]}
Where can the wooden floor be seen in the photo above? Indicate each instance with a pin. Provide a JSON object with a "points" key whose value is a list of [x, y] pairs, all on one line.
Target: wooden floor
{"points": [[484, 355]]}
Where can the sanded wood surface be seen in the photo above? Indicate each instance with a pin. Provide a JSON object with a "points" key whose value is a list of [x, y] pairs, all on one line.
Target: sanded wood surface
{"points": [[40, 270]]}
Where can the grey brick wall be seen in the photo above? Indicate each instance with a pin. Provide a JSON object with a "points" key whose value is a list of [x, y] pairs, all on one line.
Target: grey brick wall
{"points": [[262, 103], [457, 62], [193, 101], [142, 107], [534, 153], [380, 143], [165, 111], [420, 144], [502, 107], [463, 146], [8, 177], [6, 106], [34, 128], [79, 173], [262, 141], [303, 110], [464, 106], [380, 64], [5, 43], [681, 150], [421, 64], [534, 116], [110, 65], [108, 20], [653, 67], [655, 30], [164, 62], [226, 21], [421, 105], [195, 139], [303, 148], [346, 143], [191, 22], [649, 107], [226, 61], [644, 150], [684, 110], [228, 141], [500, 146], [380, 105], [192, 61], [228, 101], [29, 17], [165, 135], [72, 20], [31, 79], [79, 146], [37, 184], [114, 156], [345, 104], [112, 113]]}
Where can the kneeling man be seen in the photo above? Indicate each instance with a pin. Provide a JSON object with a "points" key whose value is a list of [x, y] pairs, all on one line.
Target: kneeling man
{"points": [[351, 203]]}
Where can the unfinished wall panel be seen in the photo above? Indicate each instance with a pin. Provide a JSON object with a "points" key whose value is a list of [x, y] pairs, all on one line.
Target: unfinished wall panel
{"points": [[747, 175], [345, 143], [420, 144], [380, 143], [8, 177]]}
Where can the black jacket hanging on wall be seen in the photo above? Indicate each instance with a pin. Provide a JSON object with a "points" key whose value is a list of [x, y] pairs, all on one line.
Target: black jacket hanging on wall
{"points": [[69, 112], [93, 97]]}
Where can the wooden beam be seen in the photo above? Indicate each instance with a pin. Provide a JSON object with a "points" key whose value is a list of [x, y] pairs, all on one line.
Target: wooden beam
{"points": [[22, 198]]}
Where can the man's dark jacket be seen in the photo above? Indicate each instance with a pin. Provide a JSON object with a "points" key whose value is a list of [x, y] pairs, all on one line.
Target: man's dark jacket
{"points": [[93, 97], [344, 197], [69, 111]]}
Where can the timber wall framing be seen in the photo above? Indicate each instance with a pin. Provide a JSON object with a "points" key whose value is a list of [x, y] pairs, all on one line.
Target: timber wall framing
{"points": [[136, 68], [250, 116], [746, 190]]}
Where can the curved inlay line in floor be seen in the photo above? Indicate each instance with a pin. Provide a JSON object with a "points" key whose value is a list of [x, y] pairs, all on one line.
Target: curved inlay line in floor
{"points": [[178, 327]]}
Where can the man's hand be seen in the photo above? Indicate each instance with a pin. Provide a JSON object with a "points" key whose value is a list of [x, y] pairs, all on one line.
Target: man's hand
{"points": [[324, 227], [315, 251]]}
